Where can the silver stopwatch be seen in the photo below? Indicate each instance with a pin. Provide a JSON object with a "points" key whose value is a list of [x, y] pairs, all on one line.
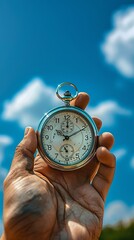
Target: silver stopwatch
{"points": [[67, 135]]}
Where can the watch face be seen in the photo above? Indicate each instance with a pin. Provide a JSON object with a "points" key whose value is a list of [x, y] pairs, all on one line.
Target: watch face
{"points": [[66, 138]]}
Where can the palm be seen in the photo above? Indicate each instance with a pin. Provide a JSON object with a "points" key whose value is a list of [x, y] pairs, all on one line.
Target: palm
{"points": [[43, 203], [75, 207], [55, 209]]}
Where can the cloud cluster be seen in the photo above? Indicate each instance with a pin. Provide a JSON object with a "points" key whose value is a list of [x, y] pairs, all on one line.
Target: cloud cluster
{"points": [[120, 153], [118, 46], [108, 111], [118, 211], [28, 106]]}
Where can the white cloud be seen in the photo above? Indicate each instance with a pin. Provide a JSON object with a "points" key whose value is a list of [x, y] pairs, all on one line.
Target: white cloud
{"points": [[132, 162], [108, 111], [120, 153], [4, 142], [118, 211], [118, 46], [30, 104]]}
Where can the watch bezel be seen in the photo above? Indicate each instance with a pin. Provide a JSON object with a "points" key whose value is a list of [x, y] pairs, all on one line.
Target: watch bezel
{"points": [[51, 162]]}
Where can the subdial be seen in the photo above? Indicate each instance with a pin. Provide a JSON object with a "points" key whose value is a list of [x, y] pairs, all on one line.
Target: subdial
{"points": [[67, 126], [66, 151]]}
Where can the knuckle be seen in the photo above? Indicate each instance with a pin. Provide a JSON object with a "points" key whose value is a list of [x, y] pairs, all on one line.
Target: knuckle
{"points": [[19, 148], [22, 150]]}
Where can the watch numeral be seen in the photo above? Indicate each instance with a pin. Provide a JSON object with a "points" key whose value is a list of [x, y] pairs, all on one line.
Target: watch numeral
{"points": [[46, 137], [77, 156], [67, 117], [49, 127], [57, 120], [86, 137], [77, 119], [56, 155], [84, 147], [49, 147]]}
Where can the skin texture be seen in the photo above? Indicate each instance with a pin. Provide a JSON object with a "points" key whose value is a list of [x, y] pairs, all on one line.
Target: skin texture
{"points": [[44, 203]]}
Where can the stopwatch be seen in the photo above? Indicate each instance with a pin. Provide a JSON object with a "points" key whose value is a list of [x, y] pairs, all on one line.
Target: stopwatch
{"points": [[67, 135]]}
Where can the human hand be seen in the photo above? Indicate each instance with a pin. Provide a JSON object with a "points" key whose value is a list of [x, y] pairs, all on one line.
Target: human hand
{"points": [[44, 203]]}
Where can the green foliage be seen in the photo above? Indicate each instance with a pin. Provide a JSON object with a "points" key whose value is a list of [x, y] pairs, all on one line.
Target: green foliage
{"points": [[118, 232]]}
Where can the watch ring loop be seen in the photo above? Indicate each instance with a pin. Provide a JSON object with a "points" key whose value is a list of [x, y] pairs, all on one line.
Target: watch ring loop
{"points": [[67, 96]]}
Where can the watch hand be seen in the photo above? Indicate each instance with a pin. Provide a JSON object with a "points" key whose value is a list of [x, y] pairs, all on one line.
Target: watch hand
{"points": [[66, 150], [77, 131], [67, 124], [60, 133]]}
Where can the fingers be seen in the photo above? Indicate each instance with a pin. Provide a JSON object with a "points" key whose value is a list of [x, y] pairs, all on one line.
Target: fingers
{"points": [[24, 154], [98, 122], [106, 139], [105, 157], [104, 176], [81, 101]]}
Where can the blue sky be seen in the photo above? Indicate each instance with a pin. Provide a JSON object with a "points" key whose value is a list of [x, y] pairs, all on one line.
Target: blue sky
{"points": [[91, 44]]}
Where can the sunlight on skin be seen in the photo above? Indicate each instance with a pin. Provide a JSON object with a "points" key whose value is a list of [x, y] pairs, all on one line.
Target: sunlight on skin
{"points": [[34, 192]]}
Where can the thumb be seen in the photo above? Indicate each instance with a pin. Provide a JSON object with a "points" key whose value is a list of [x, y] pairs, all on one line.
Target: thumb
{"points": [[24, 154]]}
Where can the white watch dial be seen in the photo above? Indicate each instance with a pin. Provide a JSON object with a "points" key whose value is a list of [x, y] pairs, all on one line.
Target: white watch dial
{"points": [[67, 137]]}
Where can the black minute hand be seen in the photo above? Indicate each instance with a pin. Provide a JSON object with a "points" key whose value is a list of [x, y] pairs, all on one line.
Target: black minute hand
{"points": [[78, 131]]}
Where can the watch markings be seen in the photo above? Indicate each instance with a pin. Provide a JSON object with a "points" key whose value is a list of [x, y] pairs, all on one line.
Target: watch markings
{"points": [[77, 135]]}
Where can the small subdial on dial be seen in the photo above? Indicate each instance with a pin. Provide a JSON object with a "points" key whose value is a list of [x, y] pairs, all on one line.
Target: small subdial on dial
{"points": [[66, 151], [67, 126]]}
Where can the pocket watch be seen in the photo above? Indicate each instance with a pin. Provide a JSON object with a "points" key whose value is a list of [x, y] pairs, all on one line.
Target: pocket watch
{"points": [[67, 135]]}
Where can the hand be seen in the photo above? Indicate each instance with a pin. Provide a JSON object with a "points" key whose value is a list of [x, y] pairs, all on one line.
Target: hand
{"points": [[44, 203]]}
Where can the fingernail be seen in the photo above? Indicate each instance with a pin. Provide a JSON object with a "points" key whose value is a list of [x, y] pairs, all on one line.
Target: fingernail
{"points": [[26, 130]]}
